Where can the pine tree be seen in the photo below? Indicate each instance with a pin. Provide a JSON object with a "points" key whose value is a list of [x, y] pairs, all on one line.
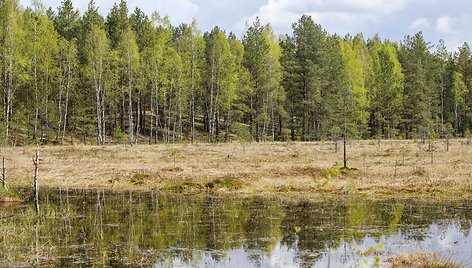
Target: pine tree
{"points": [[464, 67], [117, 23], [67, 21], [415, 57], [310, 83]]}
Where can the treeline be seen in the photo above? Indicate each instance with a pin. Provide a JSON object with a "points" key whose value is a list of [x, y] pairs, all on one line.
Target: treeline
{"points": [[137, 78]]}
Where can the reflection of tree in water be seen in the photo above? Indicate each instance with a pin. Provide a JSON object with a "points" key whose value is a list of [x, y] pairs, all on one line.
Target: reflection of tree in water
{"points": [[262, 227], [90, 227]]}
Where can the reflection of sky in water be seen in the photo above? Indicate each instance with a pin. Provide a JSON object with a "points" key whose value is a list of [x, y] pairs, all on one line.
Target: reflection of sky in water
{"points": [[449, 241], [141, 229]]}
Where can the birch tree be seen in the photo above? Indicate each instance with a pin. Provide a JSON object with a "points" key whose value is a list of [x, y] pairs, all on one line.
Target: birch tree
{"points": [[130, 63], [221, 78], [191, 49], [97, 55], [11, 35]]}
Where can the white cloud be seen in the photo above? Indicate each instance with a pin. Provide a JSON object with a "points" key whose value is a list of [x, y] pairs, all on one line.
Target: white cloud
{"points": [[392, 19], [420, 23], [455, 31], [444, 24], [371, 6], [338, 16]]}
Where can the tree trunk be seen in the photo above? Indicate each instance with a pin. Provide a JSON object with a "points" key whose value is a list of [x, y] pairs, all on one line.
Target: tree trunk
{"points": [[345, 152], [130, 100], [152, 110], [156, 136], [36, 180], [36, 94], [4, 174], [59, 103], [456, 118], [122, 110], [138, 118], [66, 108], [212, 84]]}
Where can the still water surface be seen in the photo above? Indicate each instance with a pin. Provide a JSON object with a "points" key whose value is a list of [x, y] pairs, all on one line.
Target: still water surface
{"points": [[104, 229]]}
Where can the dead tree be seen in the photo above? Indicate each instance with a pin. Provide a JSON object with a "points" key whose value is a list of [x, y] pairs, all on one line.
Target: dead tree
{"points": [[36, 179]]}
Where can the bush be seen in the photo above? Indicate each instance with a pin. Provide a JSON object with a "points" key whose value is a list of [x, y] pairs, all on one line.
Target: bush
{"points": [[119, 136], [242, 131]]}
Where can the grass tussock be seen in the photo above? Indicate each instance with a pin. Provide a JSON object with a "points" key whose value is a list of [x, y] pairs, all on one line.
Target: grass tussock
{"points": [[422, 260], [205, 185], [9, 195]]}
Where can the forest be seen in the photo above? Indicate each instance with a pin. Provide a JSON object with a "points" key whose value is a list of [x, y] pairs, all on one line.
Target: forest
{"points": [[131, 77]]}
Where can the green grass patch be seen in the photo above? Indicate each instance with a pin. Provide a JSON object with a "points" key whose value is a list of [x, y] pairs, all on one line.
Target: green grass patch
{"points": [[230, 183], [204, 185], [9, 195]]}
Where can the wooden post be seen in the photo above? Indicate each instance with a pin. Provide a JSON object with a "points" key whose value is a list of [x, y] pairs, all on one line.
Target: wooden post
{"points": [[36, 178], [4, 175]]}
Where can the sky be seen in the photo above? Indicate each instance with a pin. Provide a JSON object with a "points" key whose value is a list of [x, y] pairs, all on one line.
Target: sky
{"points": [[450, 20]]}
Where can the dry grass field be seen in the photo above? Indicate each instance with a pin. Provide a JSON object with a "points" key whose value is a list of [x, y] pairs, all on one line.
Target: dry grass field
{"points": [[391, 168]]}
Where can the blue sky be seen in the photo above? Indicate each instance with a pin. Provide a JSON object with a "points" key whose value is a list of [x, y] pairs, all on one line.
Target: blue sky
{"points": [[450, 20]]}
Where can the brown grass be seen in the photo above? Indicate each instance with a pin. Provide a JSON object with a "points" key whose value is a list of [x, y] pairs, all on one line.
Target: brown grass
{"points": [[422, 260], [393, 168]]}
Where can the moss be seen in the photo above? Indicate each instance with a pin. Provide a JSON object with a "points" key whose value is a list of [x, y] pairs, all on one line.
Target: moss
{"points": [[183, 186], [140, 179], [230, 183]]}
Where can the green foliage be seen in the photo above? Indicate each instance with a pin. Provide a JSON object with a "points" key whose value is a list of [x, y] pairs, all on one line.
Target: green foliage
{"points": [[416, 59], [67, 21], [242, 131], [119, 135], [386, 94], [67, 74]]}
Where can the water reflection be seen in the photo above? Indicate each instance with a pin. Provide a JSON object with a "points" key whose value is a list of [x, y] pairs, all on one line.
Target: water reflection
{"points": [[97, 228]]}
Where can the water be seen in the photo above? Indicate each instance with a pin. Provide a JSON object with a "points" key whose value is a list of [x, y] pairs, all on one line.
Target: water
{"points": [[102, 229]]}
